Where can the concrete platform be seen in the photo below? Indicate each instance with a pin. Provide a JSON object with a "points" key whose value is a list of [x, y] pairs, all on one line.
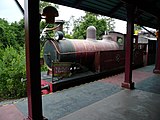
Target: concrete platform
{"points": [[124, 105], [10, 112], [100, 100], [61, 103]]}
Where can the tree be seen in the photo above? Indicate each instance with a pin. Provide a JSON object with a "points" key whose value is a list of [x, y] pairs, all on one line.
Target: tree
{"points": [[12, 69], [101, 23], [12, 34], [12, 57], [18, 28], [110, 24], [7, 34], [137, 28], [69, 24]]}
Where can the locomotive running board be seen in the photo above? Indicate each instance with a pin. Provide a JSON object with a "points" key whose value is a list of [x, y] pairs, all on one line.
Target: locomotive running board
{"points": [[85, 77]]}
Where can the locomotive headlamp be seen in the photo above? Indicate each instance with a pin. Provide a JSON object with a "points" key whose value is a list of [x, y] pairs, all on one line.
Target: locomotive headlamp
{"points": [[50, 13], [58, 35]]}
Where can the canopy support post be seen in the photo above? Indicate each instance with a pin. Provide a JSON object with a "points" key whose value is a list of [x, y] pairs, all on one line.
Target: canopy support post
{"points": [[32, 19], [157, 64], [129, 48]]}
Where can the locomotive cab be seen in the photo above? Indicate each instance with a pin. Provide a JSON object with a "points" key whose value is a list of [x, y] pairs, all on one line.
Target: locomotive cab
{"points": [[119, 38]]}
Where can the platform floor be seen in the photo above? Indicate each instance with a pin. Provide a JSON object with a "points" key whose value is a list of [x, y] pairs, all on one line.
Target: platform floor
{"points": [[124, 105], [100, 100]]}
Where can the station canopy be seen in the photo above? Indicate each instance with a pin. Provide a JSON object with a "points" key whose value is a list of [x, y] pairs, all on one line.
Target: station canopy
{"points": [[147, 12]]}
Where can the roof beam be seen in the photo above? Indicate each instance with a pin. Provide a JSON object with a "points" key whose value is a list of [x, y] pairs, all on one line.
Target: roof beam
{"points": [[115, 9], [20, 7], [78, 2], [148, 31], [148, 6], [140, 21], [151, 19], [138, 14]]}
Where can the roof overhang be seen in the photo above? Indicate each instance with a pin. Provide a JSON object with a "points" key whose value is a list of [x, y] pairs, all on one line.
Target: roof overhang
{"points": [[146, 13]]}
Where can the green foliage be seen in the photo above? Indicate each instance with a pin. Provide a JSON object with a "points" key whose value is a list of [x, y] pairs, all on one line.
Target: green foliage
{"points": [[12, 69], [68, 36], [18, 28], [102, 24], [12, 59], [11, 34], [137, 28], [68, 25], [6, 36], [44, 67], [110, 24]]}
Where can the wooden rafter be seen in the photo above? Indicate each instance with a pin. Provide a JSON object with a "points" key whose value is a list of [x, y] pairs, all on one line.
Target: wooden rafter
{"points": [[115, 9]]}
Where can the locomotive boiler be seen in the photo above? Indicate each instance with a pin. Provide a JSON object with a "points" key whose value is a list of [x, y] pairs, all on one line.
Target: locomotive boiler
{"points": [[80, 51]]}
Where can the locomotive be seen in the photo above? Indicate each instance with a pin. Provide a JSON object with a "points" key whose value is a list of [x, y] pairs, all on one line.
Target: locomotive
{"points": [[79, 51], [66, 57]]}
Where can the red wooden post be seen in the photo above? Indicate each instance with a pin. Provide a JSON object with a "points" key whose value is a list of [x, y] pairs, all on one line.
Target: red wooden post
{"points": [[157, 65], [129, 48], [32, 20]]}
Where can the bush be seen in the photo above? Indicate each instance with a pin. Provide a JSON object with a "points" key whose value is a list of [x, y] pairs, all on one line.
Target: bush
{"points": [[68, 36], [12, 69]]}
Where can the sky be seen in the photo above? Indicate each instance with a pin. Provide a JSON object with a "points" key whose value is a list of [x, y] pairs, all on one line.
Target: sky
{"points": [[10, 12]]}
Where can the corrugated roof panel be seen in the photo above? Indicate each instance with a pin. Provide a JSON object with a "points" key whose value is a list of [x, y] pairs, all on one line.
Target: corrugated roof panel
{"points": [[116, 9], [122, 12], [148, 17], [68, 1], [95, 4], [108, 1], [101, 10], [102, 3]]}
